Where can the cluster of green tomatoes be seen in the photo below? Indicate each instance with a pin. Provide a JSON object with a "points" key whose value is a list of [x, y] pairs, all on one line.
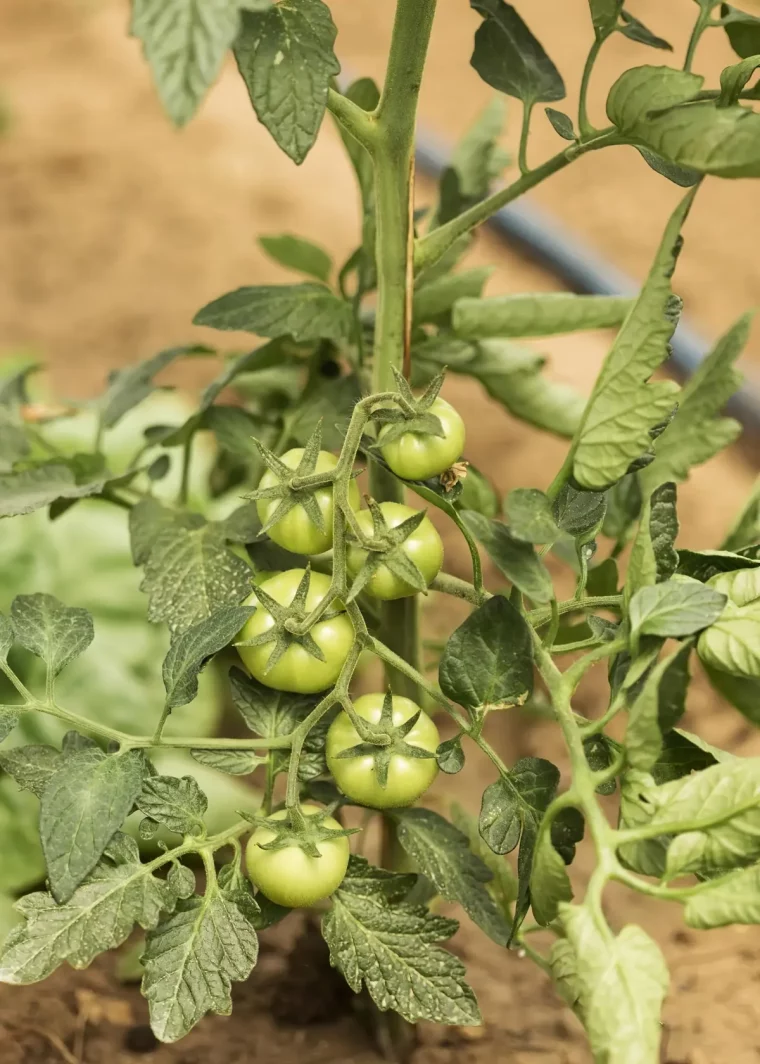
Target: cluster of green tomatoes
{"points": [[300, 864]]}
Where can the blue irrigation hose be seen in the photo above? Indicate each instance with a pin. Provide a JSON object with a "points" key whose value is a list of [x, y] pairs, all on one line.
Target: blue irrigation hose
{"points": [[562, 253]]}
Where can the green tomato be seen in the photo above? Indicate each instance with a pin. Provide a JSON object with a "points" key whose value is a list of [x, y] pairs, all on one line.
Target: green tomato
{"points": [[423, 546], [289, 876], [297, 670], [408, 777], [419, 456], [296, 531]]}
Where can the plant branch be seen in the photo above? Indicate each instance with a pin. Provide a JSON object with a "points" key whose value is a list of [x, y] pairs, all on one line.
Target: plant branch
{"points": [[430, 248], [359, 123]]}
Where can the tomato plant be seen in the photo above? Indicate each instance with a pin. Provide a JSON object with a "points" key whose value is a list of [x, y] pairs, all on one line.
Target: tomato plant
{"points": [[384, 777], [347, 378]]}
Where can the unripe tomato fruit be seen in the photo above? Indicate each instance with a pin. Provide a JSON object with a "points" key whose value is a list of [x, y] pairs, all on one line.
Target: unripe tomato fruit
{"points": [[423, 546], [289, 876], [408, 777], [295, 531], [419, 456], [297, 670]]}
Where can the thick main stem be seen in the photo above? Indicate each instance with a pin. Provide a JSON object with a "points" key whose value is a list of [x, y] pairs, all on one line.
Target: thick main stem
{"points": [[393, 155]]}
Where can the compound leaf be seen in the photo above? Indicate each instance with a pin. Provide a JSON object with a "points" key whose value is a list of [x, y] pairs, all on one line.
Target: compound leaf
{"points": [[617, 986], [442, 854], [192, 958], [536, 314], [307, 311], [488, 661], [286, 58], [86, 800], [514, 557], [54, 632], [191, 649], [100, 915], [509, 58], [184, 42], [390, 947], [625, 406]]}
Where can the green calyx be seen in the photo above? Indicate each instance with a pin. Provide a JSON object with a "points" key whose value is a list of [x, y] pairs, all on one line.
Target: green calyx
{"points": [[288, 624], [386, 549], [396, 743], [412, 414], [290, 490], [298, 830]]}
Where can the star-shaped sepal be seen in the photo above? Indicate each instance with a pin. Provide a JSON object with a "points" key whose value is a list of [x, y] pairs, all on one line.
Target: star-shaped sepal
{"points": [[397, 745], [287, 621], [298, 829], [387, 548], [411, 414]]}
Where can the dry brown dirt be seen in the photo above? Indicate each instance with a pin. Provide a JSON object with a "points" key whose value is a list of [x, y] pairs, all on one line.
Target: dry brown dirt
{"points": [[115, 229]]}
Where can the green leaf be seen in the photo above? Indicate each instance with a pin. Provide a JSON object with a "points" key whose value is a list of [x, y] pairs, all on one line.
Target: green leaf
{"points": [[646, 104], [637, 31], [40, 485], [148, 519], [514, 557], [617, 986], [658, 707], [286, 58], [530, 516], [307, 311], [512, 376], [734, 78], [438, 297], [99, 916], [625, 406], [604, 16], [487, 662], [179, 804], [517, 802], [654, 558], [743, 692], [54, 632], [442, 853], [549, 882], [477, 158], [509, 58], [85, 801], [267, 712], [184, 42], [743, 31], [646, 89], [679, 175], [579, 513], [697, 433], [624, 503], [732, 642], [562, 124], [503, 886], [536, 314], [725, 798], [192, 648], [746, 527], [234, 762], [128, 387], [296, 253], [192, 958], [732, 899], [675, 608], [6, 636], [450, 756], [705, 564], [190, 574], [31, 766], [380, 942], [511, 812]]}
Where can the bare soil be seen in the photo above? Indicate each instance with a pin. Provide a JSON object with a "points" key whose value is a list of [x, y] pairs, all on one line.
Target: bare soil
{"points": [[115, 229]]}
